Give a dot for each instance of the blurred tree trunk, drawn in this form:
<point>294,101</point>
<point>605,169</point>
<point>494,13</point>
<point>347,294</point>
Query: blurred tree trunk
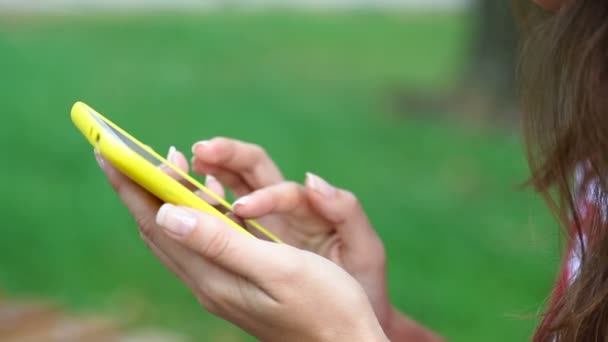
<point>491,72</point>
<point>486,90</point>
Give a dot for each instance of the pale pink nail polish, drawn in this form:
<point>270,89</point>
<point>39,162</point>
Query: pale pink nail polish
<point>241,202</point>
<point>200,143</point>
<point>210,179</point>
<point>319,185</point>
<point>172,151</point>
<point>100,160</point>
<point>177,221</point>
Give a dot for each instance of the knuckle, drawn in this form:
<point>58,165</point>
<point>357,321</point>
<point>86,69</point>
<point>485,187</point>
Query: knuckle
<point>258,152</point>
<point>288,270</point>
<point>146,240</point>
<point>292,186</point>
<point>229,180</point>
<point>294,192</point>
<point>212,308</point>
<point>217,245</point>
<point>116,184</point>
<point>206,301</point>
<point>145,224</point>
<point>288,189</point>
<point>350,200</point>
<point>220,140</point>
<point>258,159</point>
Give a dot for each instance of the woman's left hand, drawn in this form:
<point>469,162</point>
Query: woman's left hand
<point>275,292</point>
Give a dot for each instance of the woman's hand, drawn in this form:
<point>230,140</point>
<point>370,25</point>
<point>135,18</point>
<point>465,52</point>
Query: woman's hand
<point>275,292</point>
<point>316,216</point>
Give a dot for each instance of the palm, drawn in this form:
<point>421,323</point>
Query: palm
<point>303,228</point>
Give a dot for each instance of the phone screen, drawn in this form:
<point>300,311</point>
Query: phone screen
<point>139,150</point>
<point>127,141</point>
<point>134,146</point>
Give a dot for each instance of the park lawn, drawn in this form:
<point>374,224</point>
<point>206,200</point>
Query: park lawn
<point>470,254</point>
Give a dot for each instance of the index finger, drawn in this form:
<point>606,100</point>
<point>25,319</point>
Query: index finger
<point>249,161</point>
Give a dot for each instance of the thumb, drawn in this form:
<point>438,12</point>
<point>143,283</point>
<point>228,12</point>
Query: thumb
<point>343,210</point>
<point>213,239</point>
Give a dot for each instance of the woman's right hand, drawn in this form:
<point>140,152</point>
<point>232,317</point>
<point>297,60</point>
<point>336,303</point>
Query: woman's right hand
<point>316,216</point>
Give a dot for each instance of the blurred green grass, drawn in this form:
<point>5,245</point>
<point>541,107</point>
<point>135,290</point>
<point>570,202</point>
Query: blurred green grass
<point>469,254</point>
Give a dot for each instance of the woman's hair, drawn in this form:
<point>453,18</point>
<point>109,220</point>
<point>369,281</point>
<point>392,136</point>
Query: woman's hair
<point>564,91</point>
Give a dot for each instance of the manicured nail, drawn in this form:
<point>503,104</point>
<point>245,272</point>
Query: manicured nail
<point>100,160</point>
<point>241,202</point>
<point>172,151</point>
<point>210,179</point>
<point>319,185</point>
<point>200,143</point>
<point>175,220</point>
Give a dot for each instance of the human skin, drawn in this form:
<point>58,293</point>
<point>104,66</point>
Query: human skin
<point>272,291</point>
<point>315,217</point>
<point>332,260</point>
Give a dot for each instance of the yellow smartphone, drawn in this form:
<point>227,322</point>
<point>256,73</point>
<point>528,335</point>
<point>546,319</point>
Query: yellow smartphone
<point>143,165</point>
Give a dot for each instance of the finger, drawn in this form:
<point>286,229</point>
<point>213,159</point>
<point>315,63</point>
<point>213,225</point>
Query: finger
<point>231,180</point>
<point>213,185</point>
<point>178,159</point>
<point>183,262</point>
<point>168,262</point>
<point>208,282</point>
<point>202,291</point>
<point>141,204</point>
<point>249,161</point>
<point>143,207</point>
<point>300,223</point>
<point>343,210</point>
<point>215,241</point>
<point>284,197</point>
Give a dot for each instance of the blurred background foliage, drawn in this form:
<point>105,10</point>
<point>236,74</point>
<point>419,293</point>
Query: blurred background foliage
<point>470,254</point>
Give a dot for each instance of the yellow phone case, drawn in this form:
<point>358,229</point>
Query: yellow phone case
<point>144,172</point>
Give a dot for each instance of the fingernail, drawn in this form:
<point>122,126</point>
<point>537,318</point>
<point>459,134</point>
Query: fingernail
<point>241,201</point>
<point>100,160</point>
<point>210,179</point>
<point>200,143</point>
<point>175,220</point>
<point>172,150</point>
<point>319,185</point>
